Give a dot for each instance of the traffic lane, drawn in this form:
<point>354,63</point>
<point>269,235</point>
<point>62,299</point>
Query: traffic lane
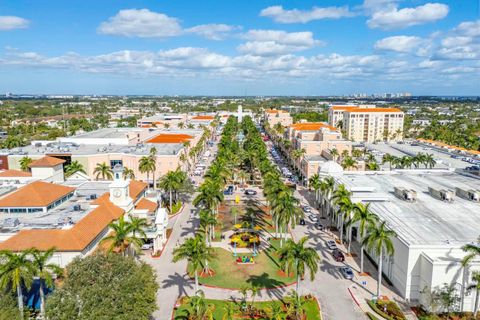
<point>329,285</point>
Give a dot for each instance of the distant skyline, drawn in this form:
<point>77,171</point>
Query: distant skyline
<point>175,47</point>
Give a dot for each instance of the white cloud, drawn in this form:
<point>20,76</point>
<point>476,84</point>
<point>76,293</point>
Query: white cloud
<point>456,41</point>
<point>213,31</point>
<point>12,22</point>
<point>276,42</point>
<point>141,23</point>
<point>279,14</point>
<point>144,23</point>
<point>398,43</point>
<point>469,28</point>
<point>394,18</point>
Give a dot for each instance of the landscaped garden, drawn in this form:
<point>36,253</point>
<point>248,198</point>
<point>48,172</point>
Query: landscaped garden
<point>306,308</point>
<point>265,272</point>
<point>387,309</point>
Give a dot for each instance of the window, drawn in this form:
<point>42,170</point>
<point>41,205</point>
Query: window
<point>113,163</point>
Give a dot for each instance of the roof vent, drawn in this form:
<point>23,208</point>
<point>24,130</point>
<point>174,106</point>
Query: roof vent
<point>472,195</point>
<point>409,195</point>
<point>442,194</point>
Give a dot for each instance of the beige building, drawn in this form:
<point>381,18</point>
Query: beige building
<point>317,139</point>
<point>274,116</point>
<point>373,124</point>
<point>335,112</point>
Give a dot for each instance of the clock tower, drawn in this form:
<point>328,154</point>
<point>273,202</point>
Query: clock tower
<point>119,189</point>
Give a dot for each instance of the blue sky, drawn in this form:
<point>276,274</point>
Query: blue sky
<point>239,47</point>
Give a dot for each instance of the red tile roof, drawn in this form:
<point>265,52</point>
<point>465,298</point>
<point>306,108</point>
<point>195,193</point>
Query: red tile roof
<point>170,138</point>
<point>35,194</point>
<point>14,173</point>
<point>75,239</point>
<point>46,162</point>
<point>203,118</point>
<point>145,204</point>
<point>311,126</point>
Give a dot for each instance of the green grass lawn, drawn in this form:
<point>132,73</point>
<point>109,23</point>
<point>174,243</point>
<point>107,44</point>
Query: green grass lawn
<point>228,274</point>
<point>311,309</point>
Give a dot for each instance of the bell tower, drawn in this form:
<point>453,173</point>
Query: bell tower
<point>119,189</point>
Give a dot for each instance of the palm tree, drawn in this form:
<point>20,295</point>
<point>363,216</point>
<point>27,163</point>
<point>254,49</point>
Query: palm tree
<point>473,253</point>
<point>171,182</point>
<point>128,174</point>
<point>429,161</point>
<point>138,225</point>
<point>16,270</point>
<point>25,163</point>
<point>196,252</point>
<point>210,195</point>
<point>74,167</point>
<point>388,158</point>
<point>45,272</point>
<point>327,186</point>
<point>153,160</point>
<point>147,165</point>
<point>379,239</point>
<point>348,163</point>
<point>296,255</point>
<point>181,125</point>
<point>314,183</point>
<point>475,286</point>
<point>122,236</point>
<point>334,153</point>
<point>365,218</point>
<point>346,207</point>
<point>198,307</point>
<point>339,195</point>
<point>103,170</point>
<point>296,305</point>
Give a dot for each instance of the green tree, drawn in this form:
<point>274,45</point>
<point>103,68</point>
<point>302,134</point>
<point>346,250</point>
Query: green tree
<point>103,170</point>
<point>25,163</point>
<point>475,286</point>
<point>300,257</point>
<point>74,167</point>
<point>122,236</point>
<point>147,165</point>
<point>196,252</point>
<point>171,182</point>
<point>16,270</point>
<point>379,239</point>
<point>105,286</point>
<point>153,160</point>
<point>45,272</point>
<point>128,174</point>
<point>365,218</point>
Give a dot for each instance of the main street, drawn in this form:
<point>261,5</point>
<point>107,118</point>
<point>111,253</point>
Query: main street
<point>329,286</point>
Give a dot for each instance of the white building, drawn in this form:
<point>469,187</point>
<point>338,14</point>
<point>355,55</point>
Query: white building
<point>430,232</point>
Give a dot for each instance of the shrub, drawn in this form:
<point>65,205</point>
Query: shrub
<point>371,316</point>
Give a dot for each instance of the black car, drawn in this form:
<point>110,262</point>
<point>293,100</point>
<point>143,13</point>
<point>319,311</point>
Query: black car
<point>250,192</point>
<point>302,222</point>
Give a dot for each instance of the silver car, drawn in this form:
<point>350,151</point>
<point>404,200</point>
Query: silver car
<point>347,272</point>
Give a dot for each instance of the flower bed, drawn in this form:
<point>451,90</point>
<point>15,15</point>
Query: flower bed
<point>387,309</point>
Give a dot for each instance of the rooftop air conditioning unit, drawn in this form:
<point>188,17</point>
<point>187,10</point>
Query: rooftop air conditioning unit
<point>471,194</point>
<point>409,195</point>
<point>77,207</point>
<point>442,194</point>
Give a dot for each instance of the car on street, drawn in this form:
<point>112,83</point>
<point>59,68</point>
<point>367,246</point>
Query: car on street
<point>331,244</point>
<point>147,246</point>
<point>338,255</point>
<point>307,209</point>
<point>313,218</point>
<point>228,191</point>
<point>250,192</point>
<point>302,222</point>
<point>347,272</point>
<point>319,226</point>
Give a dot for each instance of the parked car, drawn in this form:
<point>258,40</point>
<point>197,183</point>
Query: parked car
<point>319,226</point>
<point>250,192</point>
<point>338,255</point>
<point>302,222</point>
<point>347,272</point>
<point>313,218</point>
<point>228,191</point>
<point>147,246</point>
<point>307,209</point>
<point>331,244</point>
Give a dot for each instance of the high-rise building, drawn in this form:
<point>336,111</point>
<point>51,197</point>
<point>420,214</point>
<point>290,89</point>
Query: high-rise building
<point>373,124</point>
